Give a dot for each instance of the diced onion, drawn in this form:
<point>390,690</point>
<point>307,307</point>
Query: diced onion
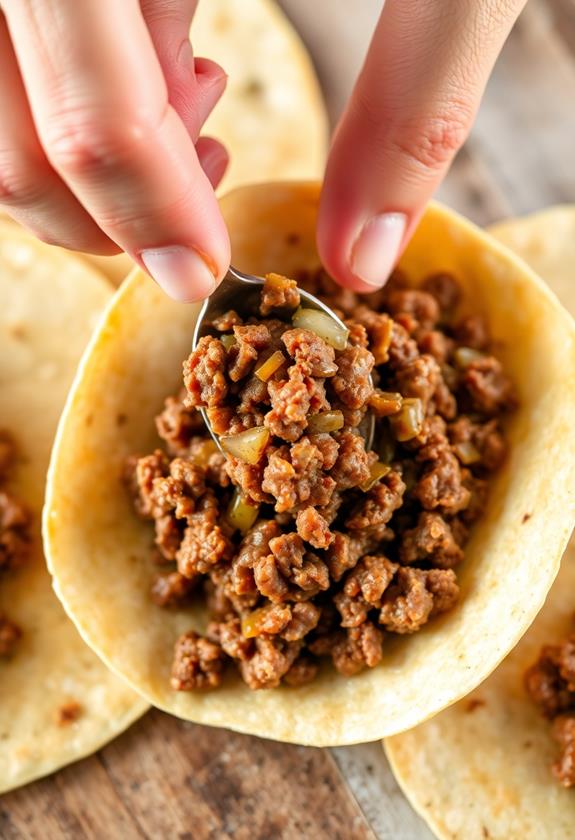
<point>408,422</point>
<point>323,325</point>
<point>228,340</point>
<point>241,512</point>
<point>325,421</point>
<point>248,446</point>
<point>269,367</point>
<point>467,452</point>
<point>376,471</point>
<point>464,356</point>
<point>384,403</point>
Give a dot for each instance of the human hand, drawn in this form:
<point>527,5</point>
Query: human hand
<point>102,104</point>
<point>410,111</point>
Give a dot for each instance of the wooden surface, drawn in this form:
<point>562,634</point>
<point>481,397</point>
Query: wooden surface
<point>168,779</point>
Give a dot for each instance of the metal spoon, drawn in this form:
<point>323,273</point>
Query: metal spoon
<point>241,292</point>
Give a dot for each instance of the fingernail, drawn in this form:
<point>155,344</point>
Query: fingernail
<point>181,272</point>
<point>376,249</point>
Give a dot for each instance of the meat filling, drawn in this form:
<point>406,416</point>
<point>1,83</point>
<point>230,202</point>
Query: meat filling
<point>15,540</point>
<point>550,683</point>
<point>305,544</point>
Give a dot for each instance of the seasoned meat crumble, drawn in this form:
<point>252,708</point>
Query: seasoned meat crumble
<point>15,539</point>
<point>550,683</point>
<point>304,544</point>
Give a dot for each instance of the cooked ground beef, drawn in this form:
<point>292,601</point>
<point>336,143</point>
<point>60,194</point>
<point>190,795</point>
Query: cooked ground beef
<point>304,544</point>
<point>15,539</point>
<point>551,684</point>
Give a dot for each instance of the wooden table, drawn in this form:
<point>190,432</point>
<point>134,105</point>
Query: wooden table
<point>168,779</point>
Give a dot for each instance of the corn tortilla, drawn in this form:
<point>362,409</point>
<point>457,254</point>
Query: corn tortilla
<point>482,768</point>
<point>49,303</point>
<point>99,552</point>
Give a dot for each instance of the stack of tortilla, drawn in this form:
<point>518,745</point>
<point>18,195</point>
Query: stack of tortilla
<point>482,769</point>
<point>50,301</point>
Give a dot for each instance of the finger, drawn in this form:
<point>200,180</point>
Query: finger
<point>102,114</point>
<point>410,112</point>
<point>194,86</point>
<point>30,191</point>
<point>213,159</point>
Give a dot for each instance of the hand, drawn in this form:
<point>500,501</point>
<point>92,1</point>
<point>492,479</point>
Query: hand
<point>102,104</point>
<point>411,110</point>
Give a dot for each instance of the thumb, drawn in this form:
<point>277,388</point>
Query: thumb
<point>410,111</point>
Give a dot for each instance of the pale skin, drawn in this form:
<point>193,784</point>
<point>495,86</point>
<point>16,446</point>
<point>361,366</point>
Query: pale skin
<point>100,146</point>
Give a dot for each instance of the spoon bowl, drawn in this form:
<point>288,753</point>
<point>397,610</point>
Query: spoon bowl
<point>241,292</point>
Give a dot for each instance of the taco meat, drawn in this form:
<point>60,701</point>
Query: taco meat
<point>305,544</point>
<point>15,521</point>
<point>550,683</point>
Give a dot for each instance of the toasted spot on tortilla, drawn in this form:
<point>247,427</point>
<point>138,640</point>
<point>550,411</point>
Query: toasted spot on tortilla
<point>121,419</point>
<point>17,330</point>
<point>526,517</point>
<point>473,704</point>
<point>254,87</point>
<point>69,712</point>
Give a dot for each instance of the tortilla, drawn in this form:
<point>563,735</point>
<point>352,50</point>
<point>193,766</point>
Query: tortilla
<point>271,117</point>
<point>546,241</point>
<point>98,551</point>
<point>483,768</point>
<point>49,303</point>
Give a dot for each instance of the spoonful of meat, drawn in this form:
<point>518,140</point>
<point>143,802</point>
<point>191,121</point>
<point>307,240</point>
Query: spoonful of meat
<point>258,342</point>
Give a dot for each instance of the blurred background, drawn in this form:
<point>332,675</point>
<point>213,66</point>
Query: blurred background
<point>521,153</point>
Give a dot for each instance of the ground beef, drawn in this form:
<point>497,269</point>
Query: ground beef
<point>172,590</point>
<point>312,355</point>
<point>250,341</point>
<point>279,292</point>
<point>198,663</point>
<point>177,424</point>
<point>271,661</point>
<point>564,733</point>
<point>489,389</point>
<point>15,541</point>
<point>352,382</point>
<point>431,540</point>
<point>358,648</point>
<point>303,671</point>
<point>351,467</point>
<point>313,528</point>
<point>379,504</point>
<point>227,321</point>
<point>550,683</point>
<point>302,543</point>
<point>472,332</point>
<point>295,476</point>
<point>414,596</point>
<point>10,634</point>
<point>203,545</point>
<point>204,373</point>
<point>421,305</point>
<point>290,402</point>
<point>445,290</point>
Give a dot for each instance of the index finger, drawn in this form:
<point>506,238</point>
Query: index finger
<point>100,104</point>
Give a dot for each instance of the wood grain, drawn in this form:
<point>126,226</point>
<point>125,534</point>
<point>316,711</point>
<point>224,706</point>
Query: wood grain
<point>168,778</point>
<point>165,778</point>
